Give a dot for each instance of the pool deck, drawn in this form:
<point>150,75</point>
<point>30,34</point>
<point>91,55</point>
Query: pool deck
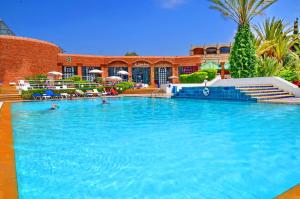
<point>293,193</point>
<point>8,180</point>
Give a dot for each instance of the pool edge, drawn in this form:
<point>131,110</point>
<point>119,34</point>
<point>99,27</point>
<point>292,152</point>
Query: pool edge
<point>292,193</point>
<point>8,178</point>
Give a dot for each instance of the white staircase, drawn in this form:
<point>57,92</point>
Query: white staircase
<point>264,92</point>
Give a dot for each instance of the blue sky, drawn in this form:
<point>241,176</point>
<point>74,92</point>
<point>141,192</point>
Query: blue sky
<point>113,27</point>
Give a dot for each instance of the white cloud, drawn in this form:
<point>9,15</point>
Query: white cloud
<point>170,4</point>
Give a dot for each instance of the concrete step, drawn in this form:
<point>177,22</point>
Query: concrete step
<point>4,98</point>
<point>255,86</point>
<point>257,89</point>
<point>273,97</point>
<point>12,100</point>
<point>10,97</point>
<point>267,94</point>
<point>9,94</point>
<point>262,91</point>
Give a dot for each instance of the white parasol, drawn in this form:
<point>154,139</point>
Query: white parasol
<point>113,79</point>
<point>173,77</point>
<point>55,73</point>
<point>122,72</point>
<point>95,71</point>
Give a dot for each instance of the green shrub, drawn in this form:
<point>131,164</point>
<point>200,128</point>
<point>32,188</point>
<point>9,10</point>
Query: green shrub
<point>183,78</point>
<point>211,73</point>
<point>123,86</point>
<point>288,75</point>
<point>197,77</point>
<point>36,77</point>
<point>75,78</point>
<point>99,80</point>
<point>267,67</point>
<point>27,95</point>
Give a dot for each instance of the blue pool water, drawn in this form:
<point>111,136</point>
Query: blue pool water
<point>156,148</point>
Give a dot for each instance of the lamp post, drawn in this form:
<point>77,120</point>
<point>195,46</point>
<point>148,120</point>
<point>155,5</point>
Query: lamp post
<point>205,81</point>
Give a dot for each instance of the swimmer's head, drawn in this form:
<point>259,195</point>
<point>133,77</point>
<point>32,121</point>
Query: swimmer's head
<point>54,106</point>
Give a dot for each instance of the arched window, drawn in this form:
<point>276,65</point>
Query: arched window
<point>224,50</point>
<point>198,51</point>
<point>211,50</point>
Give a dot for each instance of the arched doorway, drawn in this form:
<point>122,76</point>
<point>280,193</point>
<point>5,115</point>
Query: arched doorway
<point>163,70</point>
<point>141,72</point>
<point>162,75</point>
<point>116,66</point>
<point>86,75</point>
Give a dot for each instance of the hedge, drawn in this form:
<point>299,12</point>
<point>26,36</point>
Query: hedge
<point>183,78</point>
<point>211,73</point>
<point>123,86</point>
<point>197,77</point>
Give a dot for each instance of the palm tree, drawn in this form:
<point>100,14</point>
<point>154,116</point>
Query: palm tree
<point>241,11</point>
<point>274,38</point>
<point>276,49</point>
<point>243,56</point>
<point>267,66</point>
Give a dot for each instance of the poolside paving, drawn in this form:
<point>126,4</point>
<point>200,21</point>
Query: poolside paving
<point>8,180</point>
<point>147,95</point>
<point>293,193</point>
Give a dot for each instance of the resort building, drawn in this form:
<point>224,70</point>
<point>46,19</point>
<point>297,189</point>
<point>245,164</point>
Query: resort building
<point>22,57</point>
<point>212,53</point>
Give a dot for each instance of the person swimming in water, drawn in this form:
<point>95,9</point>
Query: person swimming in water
<point>54,107</point>
<point>104,101</point>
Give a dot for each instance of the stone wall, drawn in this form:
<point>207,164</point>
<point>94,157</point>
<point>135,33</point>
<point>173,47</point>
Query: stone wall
<point>21,57</point>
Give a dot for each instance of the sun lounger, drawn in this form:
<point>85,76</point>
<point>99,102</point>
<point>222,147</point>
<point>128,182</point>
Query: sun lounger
<point>65,95</point>
<point>37,96</point>
<point>104,93</point>
<point>89,93</point>
<point>51,94</point>
<point>79,93</point>
<point>96,92</point>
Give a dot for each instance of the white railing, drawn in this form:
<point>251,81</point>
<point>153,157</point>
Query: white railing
<point>53,84</point>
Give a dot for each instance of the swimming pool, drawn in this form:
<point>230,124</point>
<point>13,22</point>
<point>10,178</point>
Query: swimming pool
<point>156,148</point>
